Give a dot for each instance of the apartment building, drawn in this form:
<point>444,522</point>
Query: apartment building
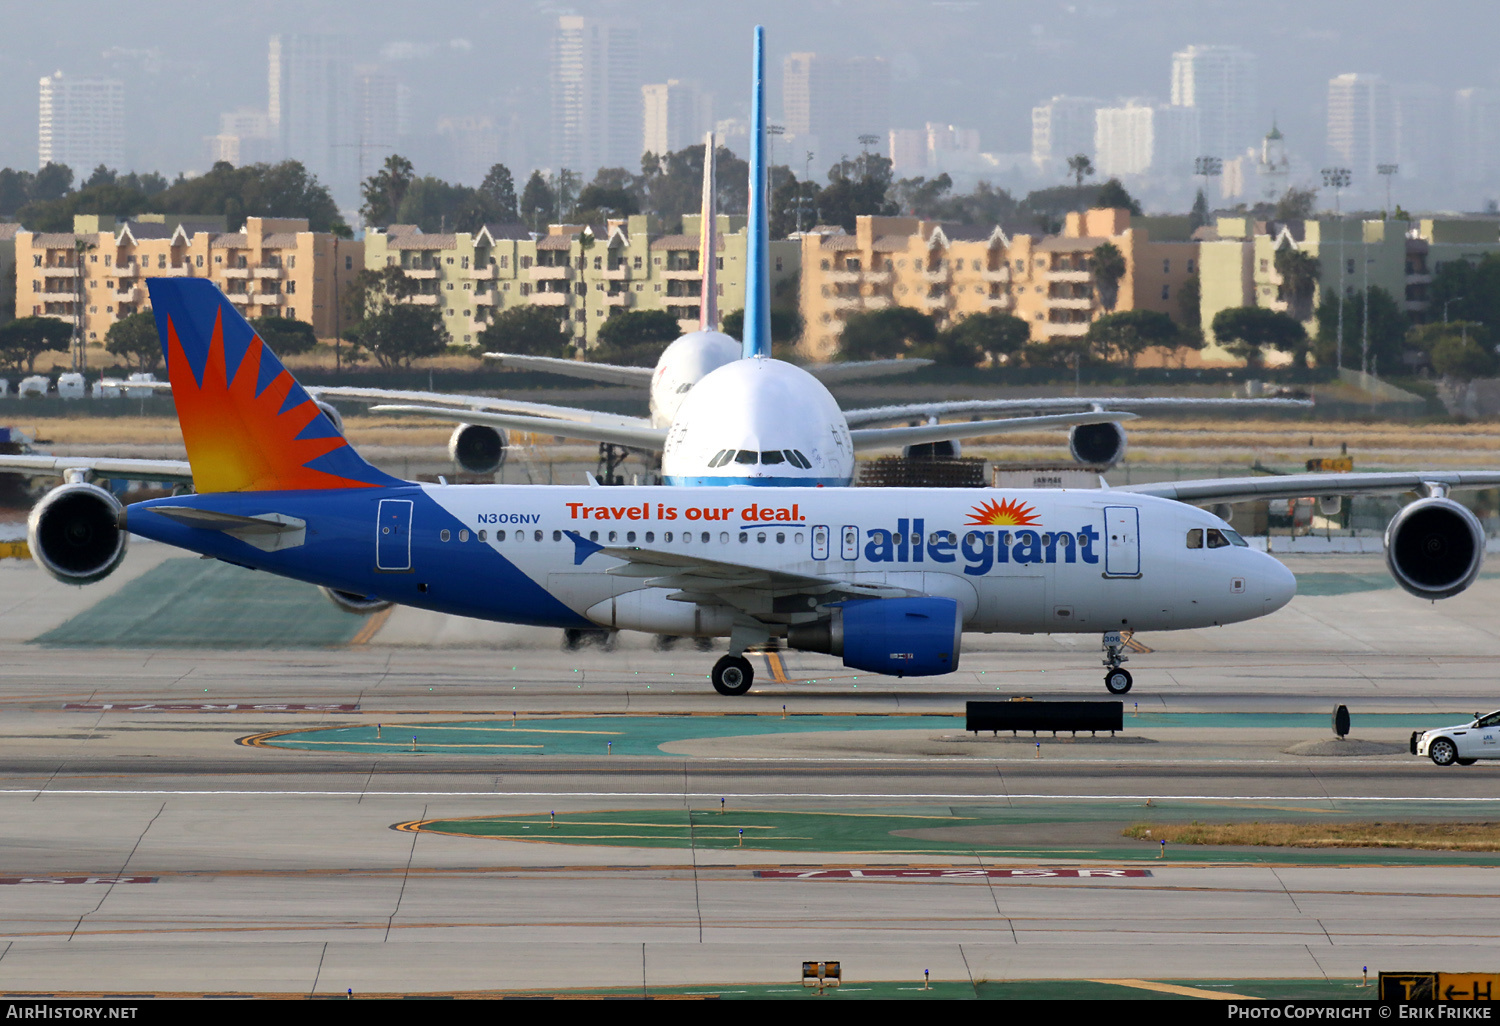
<point>95,274</point>
<point>587,273</point>
<point>1401,257</point>
<point>953,271</point>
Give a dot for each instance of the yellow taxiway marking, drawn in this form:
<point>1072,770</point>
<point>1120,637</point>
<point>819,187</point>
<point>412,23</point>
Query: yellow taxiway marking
<point>372,626</point>
<point>1172,988</point>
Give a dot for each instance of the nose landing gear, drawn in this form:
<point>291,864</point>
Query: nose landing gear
<point>1117,681</point>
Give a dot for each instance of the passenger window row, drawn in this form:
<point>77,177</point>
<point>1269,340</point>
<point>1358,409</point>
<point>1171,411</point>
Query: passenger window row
<point>768,457</point>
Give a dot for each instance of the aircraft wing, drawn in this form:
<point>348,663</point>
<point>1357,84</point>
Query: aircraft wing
<point>1298,486</point>
<point>875,438</point>
<point>107,467</point>
<point>860,370</point>
<point>475,402</point>
<point>748,589</point>
<point>634,434</point>
<point>612,373</point>
<point>878,414</point>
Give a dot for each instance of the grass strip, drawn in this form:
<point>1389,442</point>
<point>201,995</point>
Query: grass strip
<point>1421,836</point>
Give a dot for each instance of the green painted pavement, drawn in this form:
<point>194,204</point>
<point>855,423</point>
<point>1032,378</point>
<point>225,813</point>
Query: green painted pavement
<point>912,830</point>
<point>984,990</point>
<point>1321,582</point>
<point>202,603</point>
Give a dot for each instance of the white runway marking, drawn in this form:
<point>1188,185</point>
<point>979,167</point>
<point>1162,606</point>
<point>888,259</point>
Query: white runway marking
<point>715,795</point>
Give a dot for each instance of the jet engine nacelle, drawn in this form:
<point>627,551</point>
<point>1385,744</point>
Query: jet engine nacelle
<point>332,414</point>
<point>1434,548</point>
<point>350,602</point>
<point>76,533</point>
<point>949,450</point>
<point>1101,444</point>
<point>903,637</point>
<point>477,449</point>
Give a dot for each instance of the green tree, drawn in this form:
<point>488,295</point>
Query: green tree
<point>500,188</point>
<point>259,190</point>
<point>1190,303</point>
<point>635,338</point>
<point>26,338</point>
<point>856,187</point>
<point>994,333</point>
<point>54,181</point>
<point>386,189</point>
<point>1467,290</point>
<point>1299,279</point>
<point>538,202</point>
<point>1388,326</point>
<point>1462,358</point>
<point>1108,265</point>
<point>133,338</point>
<point>15,190</point>
<point>1080,167</point>
<point>1198,216</point>
<point>1247,331</point>
<point>1129,333</point>
<point>886,334</point>
<point>527,331</point>
<point>1113,195</point>
<point>285,336</point>
<point>387,327</point>
<point>786,324</point>
<point>1296,204</point>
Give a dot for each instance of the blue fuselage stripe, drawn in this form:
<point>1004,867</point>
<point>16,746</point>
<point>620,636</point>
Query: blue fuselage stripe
<point>758,482</point>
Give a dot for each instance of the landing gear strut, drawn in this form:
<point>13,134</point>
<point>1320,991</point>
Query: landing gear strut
<point>1116,680</point>
<point>733,675</point>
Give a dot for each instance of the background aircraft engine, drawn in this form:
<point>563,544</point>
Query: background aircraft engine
<point>351,602</point>
<point>904,637</point>
<point>1434,548</point>
<point>75,533</point>
<point>1102,444</point>
<point>949,450</point>
<point>477,449</point>
<point>332,414</point>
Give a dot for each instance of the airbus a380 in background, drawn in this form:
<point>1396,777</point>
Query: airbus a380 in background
<point>887,579</point>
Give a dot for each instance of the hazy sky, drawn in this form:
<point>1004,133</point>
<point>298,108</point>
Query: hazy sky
<point>976,63</point>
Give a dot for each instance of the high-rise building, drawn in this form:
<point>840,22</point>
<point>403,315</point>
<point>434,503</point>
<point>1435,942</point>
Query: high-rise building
<point>1123,139</point>
<point>81,123</point>
<point>1360,126</point>
<point>1061,128</point>
<point>832,101</point>
<point>677,115</point>
<point>382,115</point>
<point>1419,123</point>
<point>1219,82</point>
<point>596,82</point>
<point>313,110</point>
<point>1476,135</point>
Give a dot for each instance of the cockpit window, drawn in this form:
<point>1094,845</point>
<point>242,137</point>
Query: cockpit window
<point>772,456</point>
<point>746,456</point>
<point>721,457</point>
<point>1195,538</point>
<point>1235,539</point>
<point>796,459</point>
<point>1216,539</point>
<point>684,387</point>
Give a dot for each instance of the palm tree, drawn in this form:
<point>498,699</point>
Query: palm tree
<point>1299,278</point>
<point>1108,265</point>
<point>1080,167</point>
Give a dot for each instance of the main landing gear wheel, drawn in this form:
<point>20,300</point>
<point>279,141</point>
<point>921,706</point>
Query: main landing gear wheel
<point>733,675</point>
<point>1443,752</point>
<point>1117,681</point>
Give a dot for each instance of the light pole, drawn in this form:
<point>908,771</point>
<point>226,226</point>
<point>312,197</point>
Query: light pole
<point>1206,168</point>
<point>802,189</point>
<point>1337,179</point>
<point>772,131</point>
<point>1454,299</point>
<point>1386,171</point>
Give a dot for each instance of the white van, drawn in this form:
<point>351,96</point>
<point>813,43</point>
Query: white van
<point>36,384</point>
<point>139,393</point>
<point>71,386</point>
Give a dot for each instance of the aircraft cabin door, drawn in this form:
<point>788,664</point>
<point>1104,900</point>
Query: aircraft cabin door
<point>1122,541</point>
<point>393,536</point>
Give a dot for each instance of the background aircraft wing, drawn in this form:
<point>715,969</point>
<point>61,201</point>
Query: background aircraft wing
<point>176,471</point>
<point>612,373</point>
<point>875,438</point>
<point>879,414</point>
<point>1299,486</point>
<point>860,370</point>
<point>636,435</point>
<point>475,402</point>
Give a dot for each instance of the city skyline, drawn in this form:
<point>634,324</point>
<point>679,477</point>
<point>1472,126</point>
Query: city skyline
<point>939,72</point>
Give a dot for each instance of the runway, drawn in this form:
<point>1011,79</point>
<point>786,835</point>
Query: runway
<point>152,846</point>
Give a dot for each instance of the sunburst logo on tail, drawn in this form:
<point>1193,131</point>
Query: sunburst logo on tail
<point>1010,513</point>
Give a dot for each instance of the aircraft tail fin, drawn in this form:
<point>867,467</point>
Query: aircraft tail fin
<point>758,245</point>
<point>247,424</point>
<point>708,249</point>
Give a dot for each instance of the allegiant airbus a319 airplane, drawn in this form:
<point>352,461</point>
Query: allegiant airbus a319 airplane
<point>886,579</point>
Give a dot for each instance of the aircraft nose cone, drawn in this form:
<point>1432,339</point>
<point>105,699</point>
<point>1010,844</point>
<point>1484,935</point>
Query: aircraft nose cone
<point>1280,584</point>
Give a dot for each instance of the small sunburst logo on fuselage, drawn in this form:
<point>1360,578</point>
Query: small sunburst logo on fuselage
<point>1010,513</point>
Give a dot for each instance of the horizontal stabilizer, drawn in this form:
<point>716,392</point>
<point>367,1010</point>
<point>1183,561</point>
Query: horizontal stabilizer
<point>861,370</point>
<point>268,532</point>
<point>611,373</point>
<point>876,438</point>
<point>642,437</point>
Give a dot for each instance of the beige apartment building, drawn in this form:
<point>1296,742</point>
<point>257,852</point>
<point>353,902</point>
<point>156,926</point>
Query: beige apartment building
<point>96,274</point>
<point>953,271</point>
<point>588,274</point>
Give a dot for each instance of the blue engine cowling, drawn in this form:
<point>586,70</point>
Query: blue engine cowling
<point>903,637</point>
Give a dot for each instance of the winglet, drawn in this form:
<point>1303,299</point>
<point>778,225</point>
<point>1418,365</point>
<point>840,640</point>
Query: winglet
<point>247,425</point>
<point>758,245</point>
